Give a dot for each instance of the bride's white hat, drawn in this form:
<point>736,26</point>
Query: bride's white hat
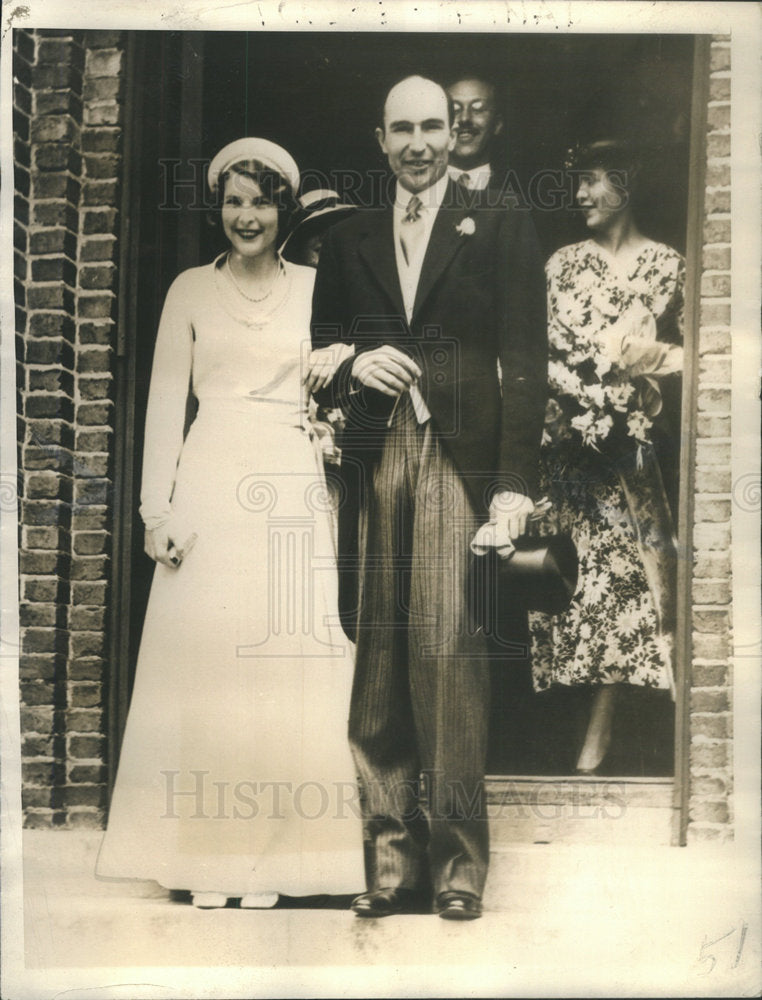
<point>269,154</point>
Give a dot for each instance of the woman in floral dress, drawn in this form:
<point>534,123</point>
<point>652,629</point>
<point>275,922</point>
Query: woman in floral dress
<point>614,310</point>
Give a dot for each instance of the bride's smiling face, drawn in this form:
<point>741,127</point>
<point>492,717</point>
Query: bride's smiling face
<point>249,219</point>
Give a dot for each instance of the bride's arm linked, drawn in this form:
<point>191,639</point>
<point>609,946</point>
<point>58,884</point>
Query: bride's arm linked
<point>165,420</point>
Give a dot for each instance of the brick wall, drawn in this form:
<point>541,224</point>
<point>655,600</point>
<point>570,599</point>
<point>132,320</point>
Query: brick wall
<point>710,808</point>
<point>68,131</point>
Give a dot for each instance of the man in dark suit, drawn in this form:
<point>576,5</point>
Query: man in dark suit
<point>478,121</point>
<point>440,300</point>
<point>478,163</point>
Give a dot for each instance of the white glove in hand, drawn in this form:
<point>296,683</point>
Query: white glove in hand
<point>508,514</point>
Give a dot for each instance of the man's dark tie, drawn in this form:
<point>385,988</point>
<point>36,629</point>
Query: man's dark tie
<point>464,180</point>
<point>412,228</point>
<point>414,207</point>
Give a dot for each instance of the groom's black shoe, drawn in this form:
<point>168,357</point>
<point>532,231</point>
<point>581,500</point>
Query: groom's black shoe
<point>386,902</point>
<point>453,905</point>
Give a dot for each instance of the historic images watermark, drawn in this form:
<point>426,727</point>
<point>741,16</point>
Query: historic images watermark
<point>184,187</point>
<point>198,794</point>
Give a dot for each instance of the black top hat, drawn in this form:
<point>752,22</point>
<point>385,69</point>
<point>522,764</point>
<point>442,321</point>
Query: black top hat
<point>539,575</point>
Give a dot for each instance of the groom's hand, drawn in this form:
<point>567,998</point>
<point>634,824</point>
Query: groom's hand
<point>386,369</point>
<point>510,511</point>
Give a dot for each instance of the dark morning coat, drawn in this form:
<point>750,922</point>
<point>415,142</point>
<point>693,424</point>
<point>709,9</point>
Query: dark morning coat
<point>479,312</point>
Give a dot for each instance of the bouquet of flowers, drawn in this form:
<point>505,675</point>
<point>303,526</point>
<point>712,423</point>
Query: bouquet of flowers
<point>608,379</point>
<point>324,427</point>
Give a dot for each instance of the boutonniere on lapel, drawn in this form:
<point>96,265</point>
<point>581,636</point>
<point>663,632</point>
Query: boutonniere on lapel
<point>466,227</point>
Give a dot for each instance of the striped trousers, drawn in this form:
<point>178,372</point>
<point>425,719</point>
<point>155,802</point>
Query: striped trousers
<point>420,700</point>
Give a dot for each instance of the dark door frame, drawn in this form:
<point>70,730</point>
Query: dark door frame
<point>683,636</point>
<point>124,522</point>
<point>178,250</point>
<point>124,408</point>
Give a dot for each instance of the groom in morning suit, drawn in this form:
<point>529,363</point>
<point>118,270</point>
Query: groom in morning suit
<point>441,299</point>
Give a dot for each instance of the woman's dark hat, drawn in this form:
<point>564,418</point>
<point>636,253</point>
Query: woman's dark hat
<point>607,154</point>
<point>324,205</point>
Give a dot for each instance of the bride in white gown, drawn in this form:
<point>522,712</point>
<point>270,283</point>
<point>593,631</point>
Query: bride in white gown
<point>235,778</point>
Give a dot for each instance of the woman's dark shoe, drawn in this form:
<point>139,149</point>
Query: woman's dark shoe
<point>385,902</point>
<point>454,905</point>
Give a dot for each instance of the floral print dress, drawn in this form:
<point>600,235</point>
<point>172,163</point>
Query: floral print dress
<point>611,631</point>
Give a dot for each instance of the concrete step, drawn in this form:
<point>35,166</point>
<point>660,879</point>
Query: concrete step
<point>560,920</point>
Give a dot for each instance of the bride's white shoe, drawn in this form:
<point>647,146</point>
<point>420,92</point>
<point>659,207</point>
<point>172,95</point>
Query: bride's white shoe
<point>209,900</point>
<point>259,900</point>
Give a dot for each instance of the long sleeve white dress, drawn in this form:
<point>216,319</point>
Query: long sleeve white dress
<point>235,774</point>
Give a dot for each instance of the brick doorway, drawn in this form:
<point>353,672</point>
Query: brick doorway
<point>190,93</point>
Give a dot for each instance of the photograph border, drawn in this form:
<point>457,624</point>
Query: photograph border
<point>741,22</point>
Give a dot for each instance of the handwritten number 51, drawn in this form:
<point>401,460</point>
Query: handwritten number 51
<point>707,955</point>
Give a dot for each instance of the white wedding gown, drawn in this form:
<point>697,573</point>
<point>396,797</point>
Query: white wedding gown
<point>235,774</point>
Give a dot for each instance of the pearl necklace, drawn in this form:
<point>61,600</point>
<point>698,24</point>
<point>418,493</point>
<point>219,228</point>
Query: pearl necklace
<point>252,298</point>
<point>239,311</point>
